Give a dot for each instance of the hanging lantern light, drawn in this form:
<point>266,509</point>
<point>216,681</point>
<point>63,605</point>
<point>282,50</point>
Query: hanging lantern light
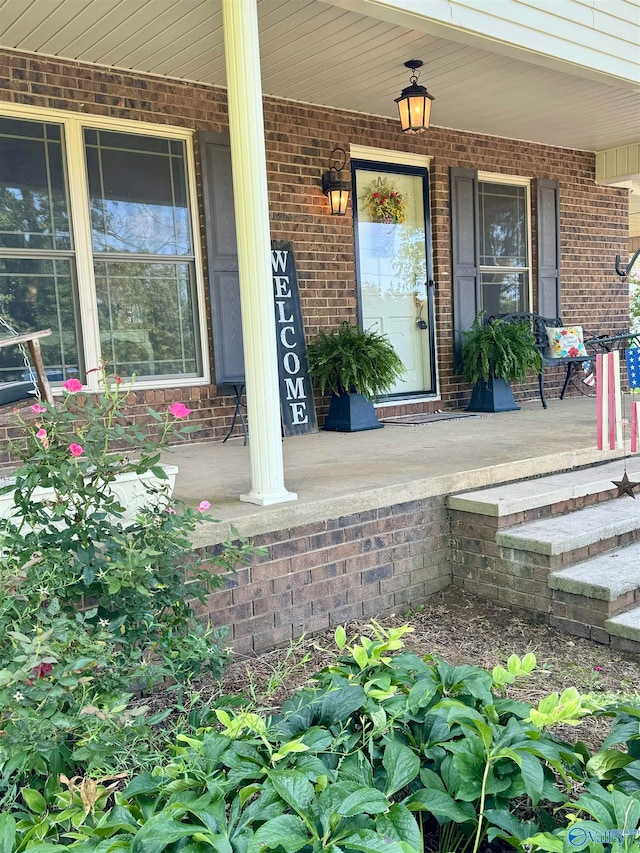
<point>414,104</point>
<point>336,190</point>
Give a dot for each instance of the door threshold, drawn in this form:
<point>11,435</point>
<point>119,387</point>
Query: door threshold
<point>405,401</point>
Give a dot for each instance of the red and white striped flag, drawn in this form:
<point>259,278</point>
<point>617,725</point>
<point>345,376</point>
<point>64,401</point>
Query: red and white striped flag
<point>635,426</point>
<point>609,397</point>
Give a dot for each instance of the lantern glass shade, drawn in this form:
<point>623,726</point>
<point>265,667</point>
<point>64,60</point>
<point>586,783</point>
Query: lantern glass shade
<point>338,199</point>
<point>337,191</point>
<point>414,106</point>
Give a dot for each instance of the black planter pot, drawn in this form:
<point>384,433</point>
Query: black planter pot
<point>492,396</point>
<point>351,413</point>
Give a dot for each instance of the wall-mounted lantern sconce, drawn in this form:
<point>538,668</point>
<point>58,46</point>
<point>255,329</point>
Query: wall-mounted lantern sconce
<point>414,104</point>
<point>336,190</point>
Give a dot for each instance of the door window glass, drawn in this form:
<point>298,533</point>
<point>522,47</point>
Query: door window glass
<point>392,263</point>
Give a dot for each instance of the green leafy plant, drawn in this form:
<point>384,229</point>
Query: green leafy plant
<point>350,359</point>
<point>516,669</point>
<point>499,350</point>
<point>95,606</point>
<point>383,751</point>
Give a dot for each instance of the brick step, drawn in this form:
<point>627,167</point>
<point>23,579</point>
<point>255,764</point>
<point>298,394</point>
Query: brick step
<point>558,546</point>
<point>625,630</point>
<point>613,578</point>
<point>590,593</point>
<point>568,539</point>
<point>546,496</point>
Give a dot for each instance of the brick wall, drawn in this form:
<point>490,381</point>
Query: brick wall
<point>299,138</point>
<point>327,573</point>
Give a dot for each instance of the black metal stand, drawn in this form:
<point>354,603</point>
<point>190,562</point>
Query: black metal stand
<point>238,413</point>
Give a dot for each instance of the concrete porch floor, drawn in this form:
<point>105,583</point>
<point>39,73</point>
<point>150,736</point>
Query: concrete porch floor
<point>338,474</point>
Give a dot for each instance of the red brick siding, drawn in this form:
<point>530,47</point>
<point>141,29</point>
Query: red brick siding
<point>299,138</point>
<point>330,572</point>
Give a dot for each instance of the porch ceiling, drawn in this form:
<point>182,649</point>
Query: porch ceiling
<point>337,54</point>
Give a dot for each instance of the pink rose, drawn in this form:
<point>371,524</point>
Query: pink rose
<point>203,506</point>
<point>76,449</point>
<point>42,433</point>
<point>72,385</point>
<point>178,410</point>
<point>38,409</point>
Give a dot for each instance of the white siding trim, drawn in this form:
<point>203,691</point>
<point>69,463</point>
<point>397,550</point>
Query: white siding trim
<point>384,155</point>
<point>618,164</point>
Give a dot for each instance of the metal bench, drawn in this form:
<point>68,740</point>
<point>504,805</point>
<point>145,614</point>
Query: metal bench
<point>539,327</point>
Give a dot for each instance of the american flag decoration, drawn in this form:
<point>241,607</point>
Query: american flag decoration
<point>632,356</point>
<point>589,377</point>
<point>609,400</point>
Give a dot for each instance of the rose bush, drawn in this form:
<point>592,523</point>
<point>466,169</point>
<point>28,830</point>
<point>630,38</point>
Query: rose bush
<point>93,608</point>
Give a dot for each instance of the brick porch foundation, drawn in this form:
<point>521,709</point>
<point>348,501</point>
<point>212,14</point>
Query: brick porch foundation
<point>330,572</point>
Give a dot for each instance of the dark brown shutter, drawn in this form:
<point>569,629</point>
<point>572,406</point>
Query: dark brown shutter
<point>222,255</point>
<point>464,253</point>
<point>548,231</point>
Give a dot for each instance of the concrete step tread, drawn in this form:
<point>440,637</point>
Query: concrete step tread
<point>625,625</point>
<point>605,577</point>
<point>507,499</point>
<point>563,533</point>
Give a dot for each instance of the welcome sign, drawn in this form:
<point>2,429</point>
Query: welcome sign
<point>296,395</point>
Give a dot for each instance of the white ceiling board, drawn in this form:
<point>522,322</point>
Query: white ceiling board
<point>333,55</point>
<point>572,39</point>
<point>170,35</point>
<point>17,18</point>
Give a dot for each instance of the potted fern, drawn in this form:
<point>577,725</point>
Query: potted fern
<point>495,354</point>
<point>355,365</point>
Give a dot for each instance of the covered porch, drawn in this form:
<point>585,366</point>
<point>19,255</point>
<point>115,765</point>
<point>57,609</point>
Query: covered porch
<point>552,118</point>
<point>338,473</point>
<point>373,532</point>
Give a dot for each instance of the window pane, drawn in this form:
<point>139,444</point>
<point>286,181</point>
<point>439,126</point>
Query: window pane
<point>147,316</point>
<point>503,225</point>
<point>138,195</point>
<point>503,293</point>
<point>39,294</point>
<point>33,204</point>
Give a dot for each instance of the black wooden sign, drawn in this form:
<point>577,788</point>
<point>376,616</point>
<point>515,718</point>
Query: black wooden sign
<point>296,395</point>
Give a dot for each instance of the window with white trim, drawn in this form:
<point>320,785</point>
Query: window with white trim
<point>103,252</point>
<point>504,244</point>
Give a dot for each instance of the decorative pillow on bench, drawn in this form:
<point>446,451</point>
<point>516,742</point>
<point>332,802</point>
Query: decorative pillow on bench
<point>566,342</point>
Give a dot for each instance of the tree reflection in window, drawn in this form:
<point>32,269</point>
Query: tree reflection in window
<point>37,278</point>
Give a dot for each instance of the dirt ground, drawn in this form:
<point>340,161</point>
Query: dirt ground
<point>460,628</point>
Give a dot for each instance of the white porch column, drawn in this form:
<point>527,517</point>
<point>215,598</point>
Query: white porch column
<point>246,126</point>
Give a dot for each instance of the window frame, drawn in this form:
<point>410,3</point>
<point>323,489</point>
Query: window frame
<point>74,159</point>
<point>518,181</point>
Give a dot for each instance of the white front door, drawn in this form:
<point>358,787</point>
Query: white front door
<point>393,266</point>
